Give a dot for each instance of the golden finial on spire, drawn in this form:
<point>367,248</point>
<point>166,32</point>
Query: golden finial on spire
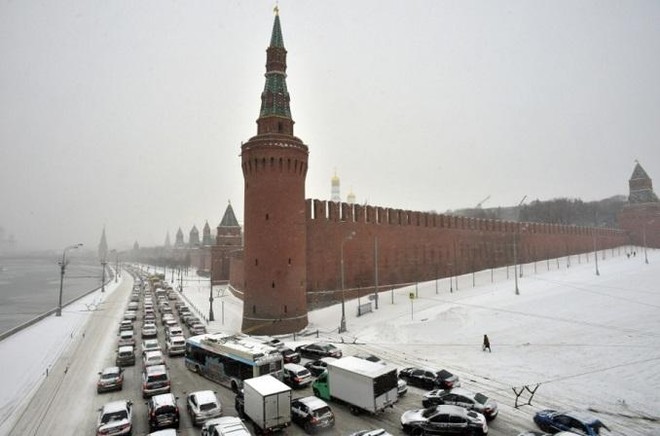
<point>276,9</point>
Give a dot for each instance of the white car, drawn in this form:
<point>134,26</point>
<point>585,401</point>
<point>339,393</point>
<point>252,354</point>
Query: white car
<point>176,346</point>
<point>150,345</point>
<point>115,418</point>
<point>151,358</point>
<point>126,337</point>
<point>149,330</point>
<point>225,426</point>
<point>166,432</point>
<point>202,406</point>
<point>377,432</point>
<point>174,330</point>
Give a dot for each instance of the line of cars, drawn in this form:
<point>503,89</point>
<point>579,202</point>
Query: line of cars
<point>116,417</point>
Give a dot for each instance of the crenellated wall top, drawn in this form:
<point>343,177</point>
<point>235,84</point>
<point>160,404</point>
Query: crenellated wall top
<point>329,211</point>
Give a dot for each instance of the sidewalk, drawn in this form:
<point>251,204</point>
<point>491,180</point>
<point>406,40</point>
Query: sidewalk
<point>30,356</point>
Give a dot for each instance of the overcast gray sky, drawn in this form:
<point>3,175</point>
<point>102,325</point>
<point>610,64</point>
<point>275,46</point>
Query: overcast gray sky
<point>130,114</point>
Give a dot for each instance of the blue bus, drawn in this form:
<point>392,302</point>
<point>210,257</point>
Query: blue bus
<point>228,359</point>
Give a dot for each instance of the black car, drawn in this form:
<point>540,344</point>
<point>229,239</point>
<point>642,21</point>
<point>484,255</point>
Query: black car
<point>318,350</point>
<point>312,414</point>
<point>429,379</point>
<point>443,420</point>
<point>316,367</point>
<point>289,355</point>
<point>163,412</point>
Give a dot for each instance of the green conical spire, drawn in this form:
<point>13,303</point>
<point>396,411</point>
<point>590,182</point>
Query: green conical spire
<point>276,39</point>
<point>275,97</point>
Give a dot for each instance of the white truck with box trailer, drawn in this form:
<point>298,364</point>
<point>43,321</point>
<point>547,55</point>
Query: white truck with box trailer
<point>267,403</point>
<point>363,385</point>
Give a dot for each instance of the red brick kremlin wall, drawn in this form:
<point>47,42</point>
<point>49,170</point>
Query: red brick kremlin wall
<point>421,246</point>
<point>642,222</point>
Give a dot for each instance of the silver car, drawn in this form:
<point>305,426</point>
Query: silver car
<point>442,420</point>
<point>462,398</point>
<point>202,406</point>
<point>115,418</point>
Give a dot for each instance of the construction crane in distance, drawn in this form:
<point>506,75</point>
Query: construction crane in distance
<point>478,206</point>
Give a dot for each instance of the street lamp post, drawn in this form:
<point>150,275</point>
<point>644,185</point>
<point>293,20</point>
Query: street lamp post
<point>515,258</point>
<point>116,265</point>
<point>515,248</point>
<point>596,253</point>
<point>646,256</point>
<point>211,317</point>
<point>376,271</point>
<point>342,325</point>
<point>62,269</point>
<point>103,264</point>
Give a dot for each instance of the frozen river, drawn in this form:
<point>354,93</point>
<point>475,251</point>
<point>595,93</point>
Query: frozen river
<point>29,285</point>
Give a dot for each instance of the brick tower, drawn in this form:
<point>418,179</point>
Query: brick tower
<point>274,164</point>
<point>641,216</point>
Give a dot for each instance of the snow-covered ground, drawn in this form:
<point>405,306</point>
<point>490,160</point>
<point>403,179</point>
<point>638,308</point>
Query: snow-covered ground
<point>27,356</point>
<point>590,341</point>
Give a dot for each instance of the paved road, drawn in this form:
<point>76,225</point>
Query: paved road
<point>67,402</point>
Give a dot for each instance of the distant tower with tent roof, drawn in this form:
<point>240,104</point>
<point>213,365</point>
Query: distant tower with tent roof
<point>641,216</point>
<point>178,241</point>
<point>228,243</point>
<point>193,240</point>
<point>207,239</point>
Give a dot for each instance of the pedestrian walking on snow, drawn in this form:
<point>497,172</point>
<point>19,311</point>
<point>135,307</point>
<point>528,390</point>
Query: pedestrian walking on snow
<point>486,344</point>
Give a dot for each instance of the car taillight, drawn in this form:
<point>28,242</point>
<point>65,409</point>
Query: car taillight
<point>314,420</point>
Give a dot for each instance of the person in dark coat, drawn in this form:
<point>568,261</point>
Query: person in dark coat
<point>486,344</point>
